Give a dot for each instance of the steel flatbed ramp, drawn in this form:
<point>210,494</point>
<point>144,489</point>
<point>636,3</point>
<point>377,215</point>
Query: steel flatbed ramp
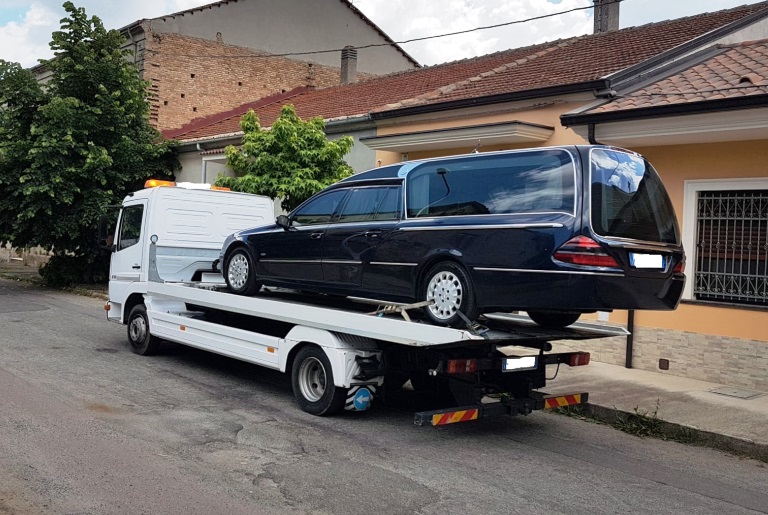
<point>504,329</point>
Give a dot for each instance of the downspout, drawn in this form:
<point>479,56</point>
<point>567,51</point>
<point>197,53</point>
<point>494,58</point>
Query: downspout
<point>204,165</point>
<point>631,312</point>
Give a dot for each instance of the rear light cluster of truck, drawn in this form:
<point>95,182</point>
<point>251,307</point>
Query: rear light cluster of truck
<point>584,251</point>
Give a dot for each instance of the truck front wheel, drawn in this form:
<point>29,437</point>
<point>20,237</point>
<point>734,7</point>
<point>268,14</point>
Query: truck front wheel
<point>142,342</point>
<point>313,383</point>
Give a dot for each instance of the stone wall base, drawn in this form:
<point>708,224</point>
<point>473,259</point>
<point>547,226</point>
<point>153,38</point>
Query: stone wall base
<point>733,362</point>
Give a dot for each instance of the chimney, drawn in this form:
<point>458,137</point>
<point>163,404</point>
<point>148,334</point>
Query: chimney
<point>606,15</point>
<point>348,65</point>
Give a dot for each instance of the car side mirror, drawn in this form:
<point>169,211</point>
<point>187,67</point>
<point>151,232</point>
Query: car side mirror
<point>283,221</point>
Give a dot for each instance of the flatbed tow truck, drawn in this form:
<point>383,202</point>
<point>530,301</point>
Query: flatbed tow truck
<point>342,355</point>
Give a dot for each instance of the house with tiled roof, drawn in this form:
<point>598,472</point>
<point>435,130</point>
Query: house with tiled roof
<point>565,92</point>
<point>703,123</point>
<point>208,59</point>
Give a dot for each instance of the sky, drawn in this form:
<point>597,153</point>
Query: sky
<point>26,26</point>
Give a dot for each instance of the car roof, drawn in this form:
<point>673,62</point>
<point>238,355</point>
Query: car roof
<point>394,174</point>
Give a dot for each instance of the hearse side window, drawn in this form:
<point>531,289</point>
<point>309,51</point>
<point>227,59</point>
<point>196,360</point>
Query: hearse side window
<point>628,198</point>
<point>130,226</point>
<point>319,210</point>
<point>525,182</point>
<point>370,203</point>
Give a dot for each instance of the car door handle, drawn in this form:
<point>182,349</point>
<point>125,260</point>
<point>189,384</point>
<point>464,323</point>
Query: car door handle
<point>372,234</point>
<point>316,235</point>
<point>136,267</point>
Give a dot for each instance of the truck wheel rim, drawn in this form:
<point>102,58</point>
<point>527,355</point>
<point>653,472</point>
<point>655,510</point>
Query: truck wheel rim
<point>312,379</point>
<point>138,329</point>
<point>238,271</point>
<point>447,293</point>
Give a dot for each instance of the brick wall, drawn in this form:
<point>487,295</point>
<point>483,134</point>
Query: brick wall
<point>192,78</point>
<point>718,359</point>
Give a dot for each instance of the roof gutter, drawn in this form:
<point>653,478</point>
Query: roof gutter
<point>706,106</point>
<point>595,85</point>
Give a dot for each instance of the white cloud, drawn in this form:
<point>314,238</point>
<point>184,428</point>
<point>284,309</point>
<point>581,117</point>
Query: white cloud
<point>27,41</point>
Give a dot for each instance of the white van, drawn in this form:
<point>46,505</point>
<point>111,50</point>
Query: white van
<point>189,223</point>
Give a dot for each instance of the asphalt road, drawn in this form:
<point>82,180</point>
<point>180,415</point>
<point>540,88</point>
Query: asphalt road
<point>88,427</point>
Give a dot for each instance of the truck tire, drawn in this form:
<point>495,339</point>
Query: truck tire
<point>313,386</point>
<point>553,319</point>
<point>449,286</point>
<point>239,273</point>
<point>142,342</point>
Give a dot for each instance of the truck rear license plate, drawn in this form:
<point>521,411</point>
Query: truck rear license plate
<point>519,363</point>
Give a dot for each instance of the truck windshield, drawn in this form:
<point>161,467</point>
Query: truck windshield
<point>628,198</point>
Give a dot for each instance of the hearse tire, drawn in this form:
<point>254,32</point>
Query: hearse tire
<point>313,387</point>
<point>142,342</point>
<point>553,320</point>
<point>448,284</point>
<point>239,273</point>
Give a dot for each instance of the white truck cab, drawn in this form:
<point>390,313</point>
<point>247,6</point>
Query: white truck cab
<point>189,223</point>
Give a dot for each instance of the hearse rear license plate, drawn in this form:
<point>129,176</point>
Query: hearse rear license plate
<point>646,260</point>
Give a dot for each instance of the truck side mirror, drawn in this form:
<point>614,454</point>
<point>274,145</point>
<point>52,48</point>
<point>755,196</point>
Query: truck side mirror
<point>284,222</point>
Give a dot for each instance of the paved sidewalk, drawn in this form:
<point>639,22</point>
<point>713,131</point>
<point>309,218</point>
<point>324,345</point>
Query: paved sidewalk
<point>684,406</point>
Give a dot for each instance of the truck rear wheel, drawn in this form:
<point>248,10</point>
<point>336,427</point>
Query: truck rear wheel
<point>142,342</point>
<point>313,383</point>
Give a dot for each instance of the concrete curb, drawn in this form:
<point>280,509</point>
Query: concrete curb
<point>682,433</point>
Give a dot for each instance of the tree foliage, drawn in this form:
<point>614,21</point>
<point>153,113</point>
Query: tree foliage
<point>291,161</point>
<point>73,146</point>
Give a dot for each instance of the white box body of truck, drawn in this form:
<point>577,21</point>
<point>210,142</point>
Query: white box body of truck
<point>189,225</point>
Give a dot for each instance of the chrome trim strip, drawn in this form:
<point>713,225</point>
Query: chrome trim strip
<point>480,227</point>
<point>568,272</point>
<point>342,262</point>
<point>384,263</point>
<point>290,260</point>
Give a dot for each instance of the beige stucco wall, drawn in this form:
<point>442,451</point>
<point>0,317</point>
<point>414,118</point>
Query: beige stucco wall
<point>543,112</point>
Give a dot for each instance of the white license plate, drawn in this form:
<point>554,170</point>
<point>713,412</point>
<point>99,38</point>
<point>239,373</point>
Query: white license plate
<point>646,260</point>
<point>521,363</point>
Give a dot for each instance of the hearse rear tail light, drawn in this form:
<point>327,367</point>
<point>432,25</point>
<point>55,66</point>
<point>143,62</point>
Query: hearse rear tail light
<point>680,267</point>
<point>584,251</point>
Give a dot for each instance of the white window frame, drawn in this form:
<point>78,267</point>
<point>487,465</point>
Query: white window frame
<point>691,190</point>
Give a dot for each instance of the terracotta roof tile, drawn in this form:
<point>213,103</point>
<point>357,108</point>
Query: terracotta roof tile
<point>557,63</point>
<point>737,71</point>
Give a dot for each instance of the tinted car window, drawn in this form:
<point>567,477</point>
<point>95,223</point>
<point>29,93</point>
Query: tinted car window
<point>364,204</point>
<point>524,182</point>
<point>389,207</point>
<point>130,226</point>
<point>319,210</point>
<point>628,198</point>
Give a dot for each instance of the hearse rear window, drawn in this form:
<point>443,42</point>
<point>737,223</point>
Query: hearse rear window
<point>628,198</point>
<point>524,182</point>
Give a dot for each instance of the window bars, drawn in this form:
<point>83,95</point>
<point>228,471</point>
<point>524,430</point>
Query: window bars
<point>732,247</point>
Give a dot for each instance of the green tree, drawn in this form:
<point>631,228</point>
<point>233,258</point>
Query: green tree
<point>79,144</point>
<point>291,161</point>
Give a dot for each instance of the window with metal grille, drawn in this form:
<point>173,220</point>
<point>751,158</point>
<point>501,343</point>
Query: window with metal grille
<point>732,247</point>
